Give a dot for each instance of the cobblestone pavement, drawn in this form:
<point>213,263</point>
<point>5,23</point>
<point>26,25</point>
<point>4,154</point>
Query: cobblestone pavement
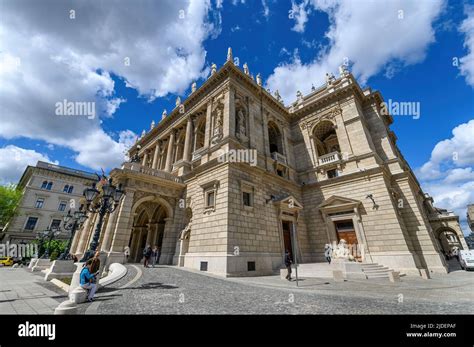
<point>169,290</point>
<point>23,292</point>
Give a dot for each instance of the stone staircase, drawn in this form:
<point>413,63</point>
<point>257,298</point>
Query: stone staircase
<point>374,270</point>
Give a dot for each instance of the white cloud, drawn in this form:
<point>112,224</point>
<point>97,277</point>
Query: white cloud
<point>467,62</point>
<point>266,9</point>
<point>299,12</point>
<point>370,34</point>
<point>449,176</point>
<point>155,46</point>
<point>14,160</point>
<point>457,151</point>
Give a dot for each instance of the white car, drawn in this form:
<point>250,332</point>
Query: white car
<point>466,259</point>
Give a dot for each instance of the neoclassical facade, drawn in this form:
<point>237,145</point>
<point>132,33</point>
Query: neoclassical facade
<point>49,192</point>
<point>231,178</point>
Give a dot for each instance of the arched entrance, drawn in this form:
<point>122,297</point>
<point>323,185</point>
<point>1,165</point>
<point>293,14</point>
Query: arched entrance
<point>448,240</point>
<point>148,227</point>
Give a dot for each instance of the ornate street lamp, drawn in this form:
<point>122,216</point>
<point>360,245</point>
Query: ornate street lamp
<point>41,236</point>
<point>71,222</point>
<point>102,204</point>
<point>49,234</point>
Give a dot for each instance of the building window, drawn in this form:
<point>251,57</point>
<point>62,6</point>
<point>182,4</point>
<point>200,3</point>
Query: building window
<point>332,173</point>
<point>47,185</point>
<point>247,199</point>
<point>210,199</point>
<point>210,194</point>
<point>247,189</point>
<point>66,188</point>
<point>55,224</point>
<point>70,189</point>
<point>62,206</point>
<point>31,223</point>
<point>39,203</point>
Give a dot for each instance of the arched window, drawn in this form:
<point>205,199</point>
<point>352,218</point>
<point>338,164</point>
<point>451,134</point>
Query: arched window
<point>275,140</point>
<point>70,189</point>
<point>44,185</point>
<point>49,186</point>
<point>325,138</point>
<point>66,188</point>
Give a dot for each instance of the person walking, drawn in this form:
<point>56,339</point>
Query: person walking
<point>147,254</point>
<point>328,252</point>
<point>87,280</point>
<point>288,263</point>
<point>126,253</point>
<point>154,255</point>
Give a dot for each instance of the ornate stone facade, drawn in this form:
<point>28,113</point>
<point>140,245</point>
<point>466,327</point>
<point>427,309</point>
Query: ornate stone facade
<point>327,168</point>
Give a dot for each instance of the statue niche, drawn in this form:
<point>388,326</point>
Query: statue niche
<point>218,123</point>
<point>241,124</point>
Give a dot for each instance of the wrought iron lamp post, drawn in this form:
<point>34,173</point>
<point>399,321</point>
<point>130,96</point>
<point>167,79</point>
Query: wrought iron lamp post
<point>41,236</point>
<point>49,234</point>
<point>71,222</point>
<point>102,203</point>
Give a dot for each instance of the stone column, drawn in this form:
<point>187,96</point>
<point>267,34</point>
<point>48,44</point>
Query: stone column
<point>229,113</point>
<point>208,130</point>
<point>169,155</point>
<point>79,234</point>
<point>145,158</point>
<point>121,234</point>
<point>156,155</point>
<point>109,230</point>
<point>188,140</point>
<point>84,235</point>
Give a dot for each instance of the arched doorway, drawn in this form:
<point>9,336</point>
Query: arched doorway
<point>448,240</point>
<point>148,228</point>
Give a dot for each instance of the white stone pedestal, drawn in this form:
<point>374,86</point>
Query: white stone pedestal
<point>41,264</point>
<point>60,269</point>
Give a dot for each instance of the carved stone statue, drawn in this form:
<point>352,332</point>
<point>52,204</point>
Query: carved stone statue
<point>229,54</point>
<point>164,114</point>
<point>259,79</point>
<point>152,124</point>
<point>330,78</point>
<point>343,70</point>
<point>219,122</point>
<point>313,89</point>
<point>178,101</point>
<point>277,95</point>
<point>143,133</point>
<point>241,123</point>
<point>299,95</point>
<point>193,87</point>
<point>213,69</point>
<point>342,251</point>
<point>246,69</point>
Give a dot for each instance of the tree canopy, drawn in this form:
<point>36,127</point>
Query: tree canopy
<point>10,197</point>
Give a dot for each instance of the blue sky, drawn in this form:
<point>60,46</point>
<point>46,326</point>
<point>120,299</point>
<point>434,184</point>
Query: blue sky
<point>405,49</point>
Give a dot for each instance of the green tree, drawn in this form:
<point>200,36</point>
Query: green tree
<point>10,197</point>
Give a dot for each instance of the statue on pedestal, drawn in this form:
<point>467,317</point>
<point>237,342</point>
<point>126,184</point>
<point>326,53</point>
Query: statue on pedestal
<point>342,251</point>
<point>241,126</point>
<point>213,69</point>
<point>330,78</point>
<point>193,87</point>
<point>246,69</point>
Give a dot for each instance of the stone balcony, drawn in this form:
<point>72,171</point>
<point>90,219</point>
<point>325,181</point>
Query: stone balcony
<point>279,157</point>
<point>329,158</point>
<point>137,167</point>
